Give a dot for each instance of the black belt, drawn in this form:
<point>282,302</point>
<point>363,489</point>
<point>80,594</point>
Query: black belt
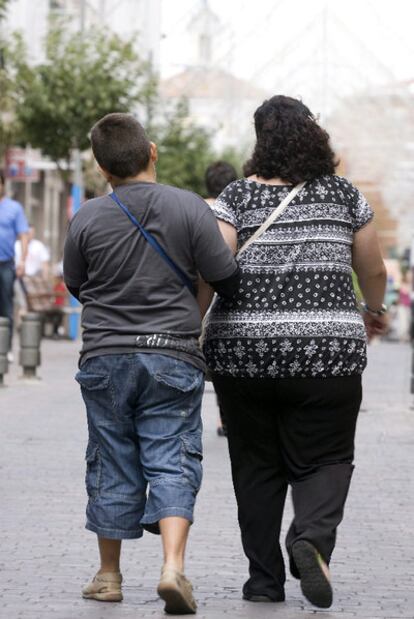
<point>184,344</point>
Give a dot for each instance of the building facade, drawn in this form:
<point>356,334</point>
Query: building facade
<point>136,19</point>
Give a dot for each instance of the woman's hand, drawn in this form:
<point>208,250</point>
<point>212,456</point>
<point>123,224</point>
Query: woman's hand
<point>375,325</point>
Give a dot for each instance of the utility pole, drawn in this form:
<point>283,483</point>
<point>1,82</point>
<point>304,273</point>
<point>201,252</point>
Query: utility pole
<point>102,11</point>
<point>77,193</point>
<point>78,189</point>
<point>28,183</point>
<point>82,12</point>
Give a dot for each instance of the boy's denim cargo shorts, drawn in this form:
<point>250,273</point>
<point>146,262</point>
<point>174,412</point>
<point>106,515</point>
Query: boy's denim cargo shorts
<point>143,459</point>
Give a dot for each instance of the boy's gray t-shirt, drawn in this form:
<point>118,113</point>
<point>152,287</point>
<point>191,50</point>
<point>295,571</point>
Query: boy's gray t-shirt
<point>126,288</point>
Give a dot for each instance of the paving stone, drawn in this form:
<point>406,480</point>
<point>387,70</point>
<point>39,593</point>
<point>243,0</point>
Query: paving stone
<point>47,555</point>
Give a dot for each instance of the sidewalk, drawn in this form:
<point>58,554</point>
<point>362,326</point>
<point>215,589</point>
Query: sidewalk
<point>46,554</point>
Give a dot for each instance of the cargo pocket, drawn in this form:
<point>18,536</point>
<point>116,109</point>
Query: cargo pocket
<point>93,470</point>
<point>191,457</point>
<point>97,391</point>
<point>92,382</point>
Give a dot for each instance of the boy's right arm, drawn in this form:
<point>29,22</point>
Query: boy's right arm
<point>214,259</point>
<point>75,268</point>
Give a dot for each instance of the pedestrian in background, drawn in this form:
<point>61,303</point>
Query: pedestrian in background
<point>38,256</point>
<point>287,352</point>
<point>218,175</point>
<point>132,258</point>
<point>13,226</point>
<point>37,265</point>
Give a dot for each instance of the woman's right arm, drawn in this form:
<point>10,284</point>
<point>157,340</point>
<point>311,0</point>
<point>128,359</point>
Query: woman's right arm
<point>205,291</point>
<point>369,266</point>
<point>229,234</point>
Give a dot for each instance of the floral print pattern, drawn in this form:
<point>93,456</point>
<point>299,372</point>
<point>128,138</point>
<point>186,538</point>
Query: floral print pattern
<point>295,314</point>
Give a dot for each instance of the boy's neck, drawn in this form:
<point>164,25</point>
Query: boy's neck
<point>146,176</point>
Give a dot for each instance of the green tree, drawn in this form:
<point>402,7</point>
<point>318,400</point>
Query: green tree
<point>82,79</point>
<point>6,88</point>
<point>7,96</point>
<point>184,149</point>
<point>3,8</point>
<point>233,156</point>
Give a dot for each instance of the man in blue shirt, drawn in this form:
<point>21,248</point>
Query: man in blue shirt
<point>13,226</point>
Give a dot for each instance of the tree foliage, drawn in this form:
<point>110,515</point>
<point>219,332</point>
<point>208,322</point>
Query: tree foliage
<point>233,156</point>
<point>3,8</point>
<point>184,150</point>
<point>6,89</point>
<point>52,106</point>
<point>81,80</point>
<point>8,99</point>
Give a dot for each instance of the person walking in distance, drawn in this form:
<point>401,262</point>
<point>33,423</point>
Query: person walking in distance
<point>38,256</point>
<point>218,175</point>
<point>13,226</point>
<point>132,258</point>
<point>287,351</point>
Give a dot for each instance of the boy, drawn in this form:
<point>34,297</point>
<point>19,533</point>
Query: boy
<point>141,370</point>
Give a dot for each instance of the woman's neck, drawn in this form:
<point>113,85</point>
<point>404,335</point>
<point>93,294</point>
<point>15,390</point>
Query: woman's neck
<point>268,181</point>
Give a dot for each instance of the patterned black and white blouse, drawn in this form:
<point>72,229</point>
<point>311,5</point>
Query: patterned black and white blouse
<point>295,314</point>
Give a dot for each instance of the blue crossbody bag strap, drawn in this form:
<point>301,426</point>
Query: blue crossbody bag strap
<point>154,243</point>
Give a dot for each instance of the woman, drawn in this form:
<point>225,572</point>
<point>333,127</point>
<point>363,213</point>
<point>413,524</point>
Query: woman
<point>287,353</point>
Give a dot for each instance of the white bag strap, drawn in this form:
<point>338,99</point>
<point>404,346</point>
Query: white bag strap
<point>275,214</point>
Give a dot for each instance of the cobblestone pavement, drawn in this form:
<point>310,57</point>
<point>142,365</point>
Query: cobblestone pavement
<point>46,554</point>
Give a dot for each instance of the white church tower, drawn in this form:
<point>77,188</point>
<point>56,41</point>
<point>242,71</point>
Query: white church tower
<point>218,100</point>
<point>203,28</point>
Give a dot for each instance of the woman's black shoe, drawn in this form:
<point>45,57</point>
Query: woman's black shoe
<point>260,597</point>
<point>314,583</point>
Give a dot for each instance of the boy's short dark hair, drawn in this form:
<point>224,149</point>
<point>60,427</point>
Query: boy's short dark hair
<point>218,175</point>
<point>120,145</point>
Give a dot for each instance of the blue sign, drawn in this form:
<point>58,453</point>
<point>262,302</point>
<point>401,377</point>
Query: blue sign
<point>74,316</point>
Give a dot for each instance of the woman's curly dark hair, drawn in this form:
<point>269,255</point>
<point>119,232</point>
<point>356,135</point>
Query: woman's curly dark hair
<point>290,144</point>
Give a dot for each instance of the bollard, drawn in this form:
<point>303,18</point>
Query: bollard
<point>4,347</point>
<point>30,338</point>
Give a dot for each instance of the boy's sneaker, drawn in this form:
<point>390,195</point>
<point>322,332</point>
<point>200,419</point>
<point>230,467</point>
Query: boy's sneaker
<point>104,588</point>
<point>177,592</point>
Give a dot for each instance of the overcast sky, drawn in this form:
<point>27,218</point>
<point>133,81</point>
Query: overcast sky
<point>309,48</point>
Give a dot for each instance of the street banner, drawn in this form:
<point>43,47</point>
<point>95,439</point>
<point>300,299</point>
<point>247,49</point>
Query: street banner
<point>19,165</point>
